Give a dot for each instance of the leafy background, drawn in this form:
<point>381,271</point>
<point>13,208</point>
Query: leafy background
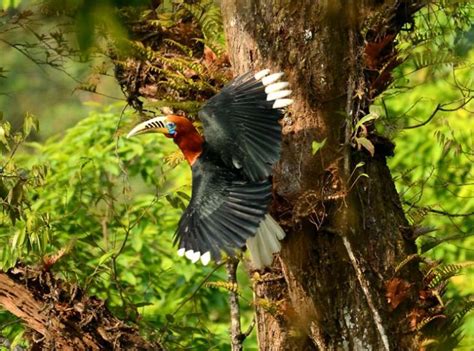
<point>70,181</point>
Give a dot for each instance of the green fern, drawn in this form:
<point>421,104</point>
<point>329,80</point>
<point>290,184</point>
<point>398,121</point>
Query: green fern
<point>467,305</point>
<point>428,320</point>
<point>446,334</point>
<point>186,50</point>
<point>208,16</point>
<point>442,273</point>
<point>232,287</point>
<point>408,259</point>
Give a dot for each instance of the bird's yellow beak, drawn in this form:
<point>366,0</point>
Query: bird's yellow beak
<point>154,125</point>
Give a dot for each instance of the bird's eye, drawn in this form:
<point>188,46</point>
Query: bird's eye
<point>171,127</point>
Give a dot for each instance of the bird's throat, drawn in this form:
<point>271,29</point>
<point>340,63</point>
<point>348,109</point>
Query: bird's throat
<point>190,144</point>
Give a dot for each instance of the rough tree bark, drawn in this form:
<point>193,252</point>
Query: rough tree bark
<point>344,236</point>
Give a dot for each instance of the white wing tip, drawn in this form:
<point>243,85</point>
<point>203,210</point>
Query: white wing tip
<point>195,256</point>
<point>271,78</point>
<point>206,258</point>
<point>192,256</point>
<point>261,74</point>
<point>280,103</point>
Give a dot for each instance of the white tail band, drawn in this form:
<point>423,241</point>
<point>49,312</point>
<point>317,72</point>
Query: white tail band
<point>278,95</point>
<point>276,86</point>
<point>266,242</point>
<point>261,74</point>
<point>271,78</point>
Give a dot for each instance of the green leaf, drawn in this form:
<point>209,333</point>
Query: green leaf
<point>17,340</point>
<point>16,193</point>
<point>316,146</point>
<point>105,257</point>
<point>30,122</point>
<point>184,195</point>
<point>3,136</point>
<point>366,144</point>
<point>19,238</point>
<point>367,118</point>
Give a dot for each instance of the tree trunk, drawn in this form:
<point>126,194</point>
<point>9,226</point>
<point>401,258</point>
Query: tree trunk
<point>346,233</point>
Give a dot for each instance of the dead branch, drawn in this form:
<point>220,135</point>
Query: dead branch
<point>61,317</point>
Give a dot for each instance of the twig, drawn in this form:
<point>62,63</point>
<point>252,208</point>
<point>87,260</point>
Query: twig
<point>249,329</point>
<point>190,297</point>
<point>440,107</point>
<point>236,336</point>
<point>435,111</point>
<point>440,212</point>
<point>365,289</point>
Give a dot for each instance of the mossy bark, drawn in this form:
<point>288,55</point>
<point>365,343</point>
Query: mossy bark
<point>345,235</point>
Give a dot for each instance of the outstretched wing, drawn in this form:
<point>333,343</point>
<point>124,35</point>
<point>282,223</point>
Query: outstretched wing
<point>241,122</point>
<point>223,213</point>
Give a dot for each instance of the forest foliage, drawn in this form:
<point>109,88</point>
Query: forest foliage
<point>106,208</point>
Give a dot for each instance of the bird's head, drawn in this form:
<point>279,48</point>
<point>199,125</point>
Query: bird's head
<point>180,129</point>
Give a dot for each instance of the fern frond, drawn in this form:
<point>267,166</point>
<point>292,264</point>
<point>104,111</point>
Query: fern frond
<point>407,260</point>
<point>216,46</point>
<point>174,158</point>
<point>185,49</point>
<point>232,287</point>
<point>427,320</point>
<point>467,306</point>
<point>444,272</point>
<point>418,38</point>
<point>427,59</point>
<point>208,16</point>
<point>428,342</point>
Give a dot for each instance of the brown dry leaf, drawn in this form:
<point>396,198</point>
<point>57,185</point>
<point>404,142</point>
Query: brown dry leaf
<point>190,73</point>
<point>397,291</point>
<point>49,261</point>
<point>373,52</point>
<point>415,316</point>
<point>209,56</point>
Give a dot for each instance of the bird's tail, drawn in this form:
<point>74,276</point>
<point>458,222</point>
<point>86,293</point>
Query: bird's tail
<point>266,242</point>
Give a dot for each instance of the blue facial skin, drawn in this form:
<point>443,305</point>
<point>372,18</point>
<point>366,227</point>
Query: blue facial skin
<point>171,128</point>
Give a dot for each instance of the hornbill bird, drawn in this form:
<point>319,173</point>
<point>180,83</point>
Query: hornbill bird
<point>231,165</point>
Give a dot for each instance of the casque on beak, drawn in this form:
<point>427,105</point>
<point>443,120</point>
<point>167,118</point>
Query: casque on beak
<point>154,125</point>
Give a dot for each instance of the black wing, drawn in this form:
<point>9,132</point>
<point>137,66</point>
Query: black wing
<point>241,122</point>
<point>223,213</point>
